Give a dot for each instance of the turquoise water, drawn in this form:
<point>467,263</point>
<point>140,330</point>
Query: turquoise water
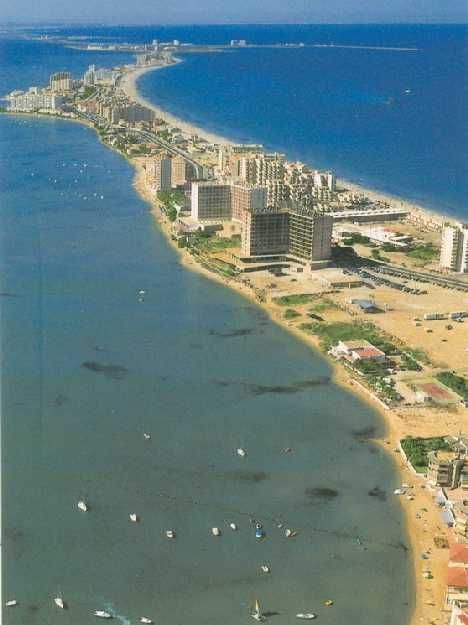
<point>87,368</point>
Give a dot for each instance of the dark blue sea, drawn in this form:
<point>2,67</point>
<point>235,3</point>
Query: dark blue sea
<point>87,368</point>
<point>391,120</point>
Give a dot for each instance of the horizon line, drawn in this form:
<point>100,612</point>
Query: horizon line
<point>185,24</point>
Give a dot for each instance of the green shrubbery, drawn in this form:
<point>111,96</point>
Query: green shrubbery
<point>416,450</point>
<point>331,333</point>
<point>294,300</point>
<point>455,382</point>
<point>425,253</point>
<point>290,313</point>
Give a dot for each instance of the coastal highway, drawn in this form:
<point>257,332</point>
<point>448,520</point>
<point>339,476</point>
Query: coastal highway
<point>200,170</point>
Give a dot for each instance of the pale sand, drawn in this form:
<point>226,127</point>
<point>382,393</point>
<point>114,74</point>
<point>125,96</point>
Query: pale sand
<point>429,593</point>
<point>128,84</point>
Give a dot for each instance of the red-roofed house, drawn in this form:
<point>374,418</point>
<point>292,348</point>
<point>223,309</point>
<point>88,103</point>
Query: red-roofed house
<point>457,585</point>
<point>358,350</point>
<point>458,555</point>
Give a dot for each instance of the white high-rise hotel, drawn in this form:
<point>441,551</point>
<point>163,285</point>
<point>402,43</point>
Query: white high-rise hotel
<point>454,248</point>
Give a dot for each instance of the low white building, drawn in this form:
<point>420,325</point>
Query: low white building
<point>355,351</point>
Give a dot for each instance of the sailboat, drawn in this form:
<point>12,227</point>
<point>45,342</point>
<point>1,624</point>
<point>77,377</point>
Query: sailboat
<point>256,614</point>
<point>59,602</point>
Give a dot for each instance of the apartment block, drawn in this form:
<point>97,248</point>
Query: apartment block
<point>61,81</point>
<point>454,248</point>
<point>310,234</point>
<point>182,171</point>
<point>34,99</point>
<point>264,232</point>
<point>262,168</point>
<point>324,180</point>
<point>211,201</point>
<point>158,173</point>
<point>247,198</point>
<point>229,157</point>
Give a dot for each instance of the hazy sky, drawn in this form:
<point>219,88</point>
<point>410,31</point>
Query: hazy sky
<point>234,11</point>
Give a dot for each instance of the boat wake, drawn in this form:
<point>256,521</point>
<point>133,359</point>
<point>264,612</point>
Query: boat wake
<point>118,617</point>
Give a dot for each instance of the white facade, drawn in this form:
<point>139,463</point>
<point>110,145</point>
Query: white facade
<point>33,100</point>
<point>454,248</point>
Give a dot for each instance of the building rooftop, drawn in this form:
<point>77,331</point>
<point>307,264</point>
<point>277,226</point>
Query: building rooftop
<point>459,553</point>
<point>368,352</point>
<point>457,577</point>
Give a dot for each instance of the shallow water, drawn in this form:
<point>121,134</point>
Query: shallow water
<point>87,368</point>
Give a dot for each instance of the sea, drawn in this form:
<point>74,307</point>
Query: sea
<point>89,364</point>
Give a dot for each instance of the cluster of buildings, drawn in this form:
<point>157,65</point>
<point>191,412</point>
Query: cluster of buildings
<point>34,99</point>
<point>94,76</point>
<point>167,171</point>
<point>457,585</point>
<point>251,190</point>
<point>454,248</point>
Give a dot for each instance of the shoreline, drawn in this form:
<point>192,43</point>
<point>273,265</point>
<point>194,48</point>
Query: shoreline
<point>129,85</point>
<point>390,419</point>
<point>388,441</point>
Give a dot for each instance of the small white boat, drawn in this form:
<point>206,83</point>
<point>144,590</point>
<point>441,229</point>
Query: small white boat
<point>290,533</point>
<point>233,526</point>
<point>141,292</point>
<point>147,436</point>
<point>170,533</point>
<point>59,602</point>
<point>398,491</point>
<point>256,613</point>
<point>216,531</point>
<point>241,452</point>
<point>82,506</point>
<point>265,568</point>
<point>306,616</point>
<point>11,603</point>
<point>145,619</point>
<point>134,517</point>
<point>102,614</point>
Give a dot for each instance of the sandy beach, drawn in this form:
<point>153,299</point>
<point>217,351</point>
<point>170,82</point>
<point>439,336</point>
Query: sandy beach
<point>423,521</point>
<point>129,84</point>
<point>422,517</point>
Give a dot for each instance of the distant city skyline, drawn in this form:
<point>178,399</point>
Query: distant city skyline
<point>242,12</point>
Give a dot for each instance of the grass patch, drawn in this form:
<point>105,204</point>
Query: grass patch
<point>455,382</point>
<point>377,256</point>
<point>418,354</point>
<point>416,450</point>
<point>425,253</point>
<point>324,304</point>
<point>209,244</point>
<point>290,313</point>
<point>409,364</point>
<point>293,300</point>
<point>330,333</point>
